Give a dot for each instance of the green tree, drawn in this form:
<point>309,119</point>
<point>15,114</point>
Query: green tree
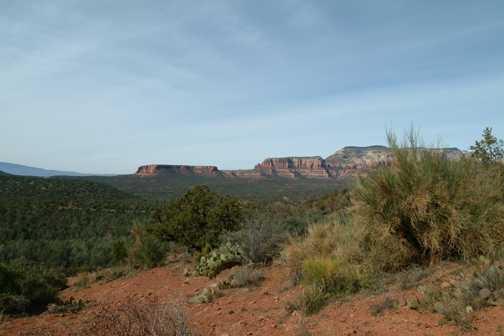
<point>489,148</point>
<point>198,218</point>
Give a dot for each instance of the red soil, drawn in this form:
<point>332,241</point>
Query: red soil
<point>255,311</point>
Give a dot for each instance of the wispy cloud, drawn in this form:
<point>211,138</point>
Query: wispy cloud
<point>229,82</point>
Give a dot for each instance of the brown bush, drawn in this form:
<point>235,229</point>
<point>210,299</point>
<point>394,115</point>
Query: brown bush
<point>138,318</point>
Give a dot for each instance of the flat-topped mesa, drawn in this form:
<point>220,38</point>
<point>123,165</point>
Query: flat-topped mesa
<point>351,160</point>
<point>311,166</point>
<point>348,161</point>
<point>155,169</point>
<point>354,160</point>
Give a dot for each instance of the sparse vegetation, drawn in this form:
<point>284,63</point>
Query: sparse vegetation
<point>67,306</point>
<point>422,209</point>
<point>138,318</point>
<point>458,302</point>
<point>387,304</point>
<point>245,276</point>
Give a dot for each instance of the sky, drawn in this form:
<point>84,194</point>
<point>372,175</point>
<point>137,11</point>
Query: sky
<point>102,86</point>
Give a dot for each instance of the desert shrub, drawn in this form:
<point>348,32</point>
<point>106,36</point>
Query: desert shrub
<point>119,251</point>
<point>138,318</point>
<point>329,261</point>
<point>198,218</point>
<point>245,276</point>
<point>410,277</point>
<point>27,288</point>
<point>336,278</point>
<point>112,273</point>
<point>312,299</point>
<point>147,250</point>
<point>259,239</point>
<point>67,306</point>
<point>431,207</point>
<point>329,240</point>
<point>84,280</point>
<point>226,256</point>
<point>387,304</point>
<point>206,295</point>
<point>13,304</point>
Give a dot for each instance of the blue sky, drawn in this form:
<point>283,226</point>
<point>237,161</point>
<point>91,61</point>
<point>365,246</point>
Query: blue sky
<point>103,86</point>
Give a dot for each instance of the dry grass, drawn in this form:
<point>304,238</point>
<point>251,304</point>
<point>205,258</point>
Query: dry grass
<point>138,318</point>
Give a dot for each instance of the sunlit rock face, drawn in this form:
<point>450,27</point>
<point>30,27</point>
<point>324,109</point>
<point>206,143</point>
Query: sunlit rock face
<point>347,161</point>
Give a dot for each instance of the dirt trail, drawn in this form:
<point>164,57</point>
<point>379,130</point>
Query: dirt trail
<point>255,311</point>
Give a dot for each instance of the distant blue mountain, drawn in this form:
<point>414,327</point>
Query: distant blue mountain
<point>16,169</point>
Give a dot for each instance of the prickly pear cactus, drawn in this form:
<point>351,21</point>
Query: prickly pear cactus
<point>227,255</point>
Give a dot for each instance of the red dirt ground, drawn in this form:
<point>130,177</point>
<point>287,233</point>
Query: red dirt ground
<point>255,311</point>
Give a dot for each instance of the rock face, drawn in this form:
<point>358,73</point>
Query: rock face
<point>313,166</point>
<point>154,169</point>
<point>345,162</point>
<point>351,160</point>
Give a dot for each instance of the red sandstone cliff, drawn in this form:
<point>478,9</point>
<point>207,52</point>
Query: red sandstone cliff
<point>345,162</point>
<point>155,169</point>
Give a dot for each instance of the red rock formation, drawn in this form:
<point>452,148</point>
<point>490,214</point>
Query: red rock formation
<point>313,166</point>
<point>346,161</point>
<point>154,169</point>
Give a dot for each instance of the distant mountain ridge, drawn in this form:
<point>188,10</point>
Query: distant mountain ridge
<point>344,162</point>
<point>17,169</point>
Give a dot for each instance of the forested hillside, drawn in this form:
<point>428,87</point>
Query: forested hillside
<point>63,223</point>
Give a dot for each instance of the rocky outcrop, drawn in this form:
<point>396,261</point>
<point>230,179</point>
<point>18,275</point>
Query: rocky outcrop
<point>345,162</point>
<point>313,166</point>
<point>185,170</point>
<point>351,160</point>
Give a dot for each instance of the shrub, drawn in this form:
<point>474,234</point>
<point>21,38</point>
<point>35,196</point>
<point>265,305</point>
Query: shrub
<point>313,299</point>
<point>259,239</point>
<point>387,304</point>
<point>206,295</point>
<point>67,306</point>
<point>331,276</point>
<point>431,208</point>
<point>147,251</point>
<point>409,278</point>
<point>26,288</point>
<point>13,304</point>
<point>138,318</point>
<point>119,251</point>
<point>330,241</point>
<point>197,218</point>
<point>245,276</point>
